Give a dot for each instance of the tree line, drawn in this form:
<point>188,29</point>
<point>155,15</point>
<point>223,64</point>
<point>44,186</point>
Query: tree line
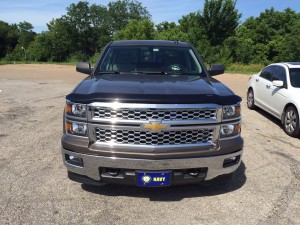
<point>215,31</point>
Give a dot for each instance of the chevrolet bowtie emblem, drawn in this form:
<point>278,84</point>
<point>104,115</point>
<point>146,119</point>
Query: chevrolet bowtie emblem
<point>155,126</point>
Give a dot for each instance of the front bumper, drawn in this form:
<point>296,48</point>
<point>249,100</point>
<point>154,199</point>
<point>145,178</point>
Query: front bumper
<point>92,165</point>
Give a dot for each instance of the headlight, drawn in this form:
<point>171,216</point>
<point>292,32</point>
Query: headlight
<point>79,129</point>
<point>231,111</point>
<point>228,130</point>
<point>75,109</point>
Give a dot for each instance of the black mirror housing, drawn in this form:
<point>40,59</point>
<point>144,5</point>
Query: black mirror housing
<point>216,69</point>
<point>84,67</point>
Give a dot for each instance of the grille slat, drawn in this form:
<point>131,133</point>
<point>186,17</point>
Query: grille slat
<point>136,137</point>
<point>150,114</point>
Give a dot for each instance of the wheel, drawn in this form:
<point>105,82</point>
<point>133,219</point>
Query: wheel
<point>250,99</point>
<point>291,121</point>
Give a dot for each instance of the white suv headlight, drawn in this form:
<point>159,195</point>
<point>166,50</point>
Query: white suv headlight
<point>76,109</point>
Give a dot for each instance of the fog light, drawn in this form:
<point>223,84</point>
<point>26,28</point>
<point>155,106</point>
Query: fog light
<point>231,161</point>
<point>74,160</point>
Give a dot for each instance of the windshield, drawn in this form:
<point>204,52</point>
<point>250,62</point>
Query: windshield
<point>150,60</point>
<point>295,77</point>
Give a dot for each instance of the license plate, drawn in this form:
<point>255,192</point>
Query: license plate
<point>153,179</point>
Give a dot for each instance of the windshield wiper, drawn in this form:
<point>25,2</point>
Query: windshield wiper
<point>151,72</point>
<point>108,72</point>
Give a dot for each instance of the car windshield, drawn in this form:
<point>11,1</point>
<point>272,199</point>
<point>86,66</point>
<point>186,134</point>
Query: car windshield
<point>295,77</point>
<point>150,60</point>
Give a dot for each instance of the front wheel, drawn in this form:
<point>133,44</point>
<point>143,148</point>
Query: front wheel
<point>250,99</point>
<point>291,122</point>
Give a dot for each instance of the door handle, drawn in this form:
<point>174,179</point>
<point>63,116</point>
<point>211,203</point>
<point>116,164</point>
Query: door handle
<point>268,86</point>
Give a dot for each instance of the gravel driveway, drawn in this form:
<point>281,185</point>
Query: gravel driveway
<point>35,189</point>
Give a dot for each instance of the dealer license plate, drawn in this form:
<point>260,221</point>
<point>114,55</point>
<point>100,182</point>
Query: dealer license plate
<point>153,179</point>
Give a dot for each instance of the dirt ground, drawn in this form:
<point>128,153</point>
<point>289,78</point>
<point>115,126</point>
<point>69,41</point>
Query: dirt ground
<point>35,189</point>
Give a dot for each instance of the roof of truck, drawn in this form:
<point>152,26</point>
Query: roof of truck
<point>150,43</point>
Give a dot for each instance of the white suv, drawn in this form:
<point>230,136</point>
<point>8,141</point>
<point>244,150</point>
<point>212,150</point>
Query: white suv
<point>276,89</point>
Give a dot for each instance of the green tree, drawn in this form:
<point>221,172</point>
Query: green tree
<point>165,26</point>
<point>265,39</point>
<point>208,29</point>
<point>137,30</point>
<point>9,36</point>
<point>172,33</point>
<point>40,49</point>
<point>191,25</point>
<point>79,19</point>
<point>86,29</point>
<point>290,49</point>
<point>219,20</point>
<point>101,27</point>
<point>61,38</point>
<point>122,11</point>
<point>26,34</point>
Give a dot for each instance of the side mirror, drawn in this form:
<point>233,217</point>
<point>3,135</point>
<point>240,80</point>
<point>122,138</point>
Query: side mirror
<point>216,69</point>
<point>84,67</point>
<point>278,83</point>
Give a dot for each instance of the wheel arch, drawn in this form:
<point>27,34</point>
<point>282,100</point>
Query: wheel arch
<point>250,88</point>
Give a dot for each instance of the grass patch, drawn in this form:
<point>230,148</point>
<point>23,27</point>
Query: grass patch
<point>246,69</point>
<point>232,68</point>
<point>3,62</point>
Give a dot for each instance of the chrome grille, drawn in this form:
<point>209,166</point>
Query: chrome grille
<point>149,114</point>
<point>137,137</point>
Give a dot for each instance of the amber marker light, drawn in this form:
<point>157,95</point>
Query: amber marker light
<point>238,128</point>
<point>68,108</point>
<point>69,127</point>
<point>238,110</point>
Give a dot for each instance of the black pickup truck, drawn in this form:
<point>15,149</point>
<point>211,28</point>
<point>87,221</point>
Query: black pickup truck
<point>150,114</point>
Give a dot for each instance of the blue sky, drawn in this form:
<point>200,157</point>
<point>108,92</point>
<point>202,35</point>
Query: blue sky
<point>40,12</point>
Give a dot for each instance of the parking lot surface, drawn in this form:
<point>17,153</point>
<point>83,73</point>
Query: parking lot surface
<point>35,189</point>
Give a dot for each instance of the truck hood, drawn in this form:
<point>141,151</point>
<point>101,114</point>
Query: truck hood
<point>132,88</point>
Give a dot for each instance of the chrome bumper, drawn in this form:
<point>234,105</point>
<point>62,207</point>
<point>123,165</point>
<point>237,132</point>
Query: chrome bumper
<point>92,163</point>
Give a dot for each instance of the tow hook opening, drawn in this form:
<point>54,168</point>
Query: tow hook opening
<point>231,161</point>
<point>74,160</point>
<point>113,171</point>
<point>193,172</point>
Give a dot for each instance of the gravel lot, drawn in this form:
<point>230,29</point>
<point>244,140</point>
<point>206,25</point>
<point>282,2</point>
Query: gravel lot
<point>35,188</point>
